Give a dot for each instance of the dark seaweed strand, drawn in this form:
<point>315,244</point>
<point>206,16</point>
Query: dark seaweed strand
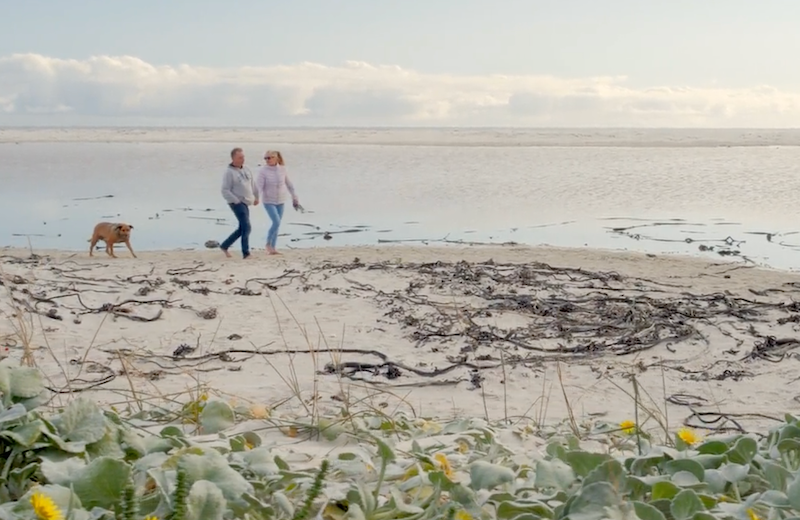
<point>314,492</point>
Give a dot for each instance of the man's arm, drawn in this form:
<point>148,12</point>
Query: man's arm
<point>227,188</point>
<point>254,187</point>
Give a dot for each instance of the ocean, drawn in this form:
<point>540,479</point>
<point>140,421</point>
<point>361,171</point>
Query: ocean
<point>713,193</point>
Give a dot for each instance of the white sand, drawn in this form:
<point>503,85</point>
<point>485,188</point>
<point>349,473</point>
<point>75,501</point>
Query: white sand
<point>349,318</point>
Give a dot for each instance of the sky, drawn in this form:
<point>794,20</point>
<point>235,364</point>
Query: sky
<point>571,63</point>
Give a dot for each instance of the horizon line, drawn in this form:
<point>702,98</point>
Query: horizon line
<point>386,127</point>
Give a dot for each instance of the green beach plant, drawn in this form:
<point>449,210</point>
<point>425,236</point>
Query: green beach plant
<point>81,462</point>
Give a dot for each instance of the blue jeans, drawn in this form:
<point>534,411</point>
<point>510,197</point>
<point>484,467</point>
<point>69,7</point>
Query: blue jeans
<point>242,213</point>
<point>275,212</point>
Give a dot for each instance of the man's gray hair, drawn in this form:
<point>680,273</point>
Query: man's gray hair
<point>235,151</point>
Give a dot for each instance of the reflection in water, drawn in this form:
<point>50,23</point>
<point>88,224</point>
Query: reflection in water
<point>187,227</point>
<point>662,199</point>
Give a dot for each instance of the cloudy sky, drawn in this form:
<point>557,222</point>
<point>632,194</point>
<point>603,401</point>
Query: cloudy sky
<point>653,63</point>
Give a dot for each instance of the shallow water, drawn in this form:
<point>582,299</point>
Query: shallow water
<point>696,192</point>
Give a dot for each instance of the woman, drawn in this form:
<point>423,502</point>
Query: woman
<point>272,182</point>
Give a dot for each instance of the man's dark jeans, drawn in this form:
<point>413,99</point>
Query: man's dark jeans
<point>242,212</point>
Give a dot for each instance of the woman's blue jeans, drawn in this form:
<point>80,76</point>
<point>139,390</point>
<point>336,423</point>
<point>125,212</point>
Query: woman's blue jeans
<point>275,213</point>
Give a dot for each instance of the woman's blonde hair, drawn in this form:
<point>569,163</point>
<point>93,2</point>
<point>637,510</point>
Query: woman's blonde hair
<point>277,154</point>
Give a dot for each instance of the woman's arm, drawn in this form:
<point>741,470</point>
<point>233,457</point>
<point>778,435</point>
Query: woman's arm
<point>261,183</point>
<point>290,187</point>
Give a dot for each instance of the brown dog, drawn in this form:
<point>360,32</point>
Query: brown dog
<point>111,233</point>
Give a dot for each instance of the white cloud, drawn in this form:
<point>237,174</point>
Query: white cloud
<point>36,89</point>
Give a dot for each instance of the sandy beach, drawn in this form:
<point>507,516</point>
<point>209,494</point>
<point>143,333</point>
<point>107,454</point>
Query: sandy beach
<point>493,332</point>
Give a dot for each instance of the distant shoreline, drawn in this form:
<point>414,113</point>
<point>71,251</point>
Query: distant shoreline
<point>303,249</point>
<point>406,136</point>
<point>579,256</point>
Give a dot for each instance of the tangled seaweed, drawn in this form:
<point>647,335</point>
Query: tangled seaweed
<point>555,313</point>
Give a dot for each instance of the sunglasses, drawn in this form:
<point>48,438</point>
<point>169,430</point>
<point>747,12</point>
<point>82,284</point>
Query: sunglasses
<point>270,157</point>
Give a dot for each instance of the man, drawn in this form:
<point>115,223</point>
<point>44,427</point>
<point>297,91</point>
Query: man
<point>239,191</point>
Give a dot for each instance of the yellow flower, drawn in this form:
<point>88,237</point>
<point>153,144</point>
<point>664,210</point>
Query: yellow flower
<point>258,411</point>
<point>462,446</point>
<point>628,427</point>
<point>428,426</point>
<point>688,436</point>
<point>247,445</point>
<point>334,511</point>
<point>151,517</point>
<point>412,471</point>
<point>463,515</point>
<point>45,508</point>
<point>204,397</point>
<point>423,493</point>
<point>441,459</point>
<point>752,515</point>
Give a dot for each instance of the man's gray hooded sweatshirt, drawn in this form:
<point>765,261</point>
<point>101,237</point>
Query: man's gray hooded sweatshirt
<point>238,185</point>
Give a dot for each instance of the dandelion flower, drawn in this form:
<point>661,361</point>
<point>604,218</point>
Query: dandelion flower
<point>151,517</point>
<point>752,515</point>
<point>463,515</point>
<point>463,447</point>
<point>258,411</point>
<point>45,508</point>
<point>441,458</point>
<point>428,426</point>
<point>412,471</point>
<point>334,511</point>
<point>423,493</point>
<point>688,436</point>
<point>628,427</point>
